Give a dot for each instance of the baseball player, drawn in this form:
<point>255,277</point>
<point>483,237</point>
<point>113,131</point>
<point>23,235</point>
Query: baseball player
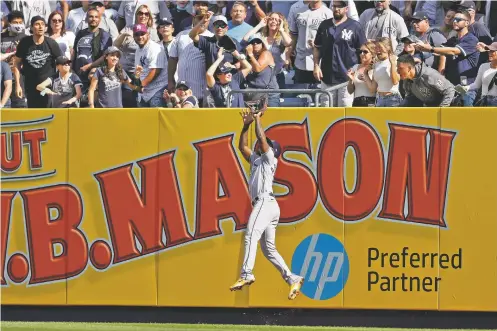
<point>266,212</point>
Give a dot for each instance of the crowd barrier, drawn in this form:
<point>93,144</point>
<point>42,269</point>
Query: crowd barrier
<point>381,208</point>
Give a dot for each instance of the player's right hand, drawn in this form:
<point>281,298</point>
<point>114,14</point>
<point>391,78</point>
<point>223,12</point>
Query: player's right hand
<point>247,116</point>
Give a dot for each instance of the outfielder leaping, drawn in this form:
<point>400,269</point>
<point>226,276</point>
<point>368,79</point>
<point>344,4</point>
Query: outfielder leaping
<point>266,212</point>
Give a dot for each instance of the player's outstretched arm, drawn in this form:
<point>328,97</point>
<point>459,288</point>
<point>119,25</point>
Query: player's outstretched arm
<point>259,132</point>
<point>248,118</point>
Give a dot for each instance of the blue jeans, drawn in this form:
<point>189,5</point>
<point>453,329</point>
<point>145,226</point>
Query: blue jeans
<point>273,100</point>
<point>469,98</point>
<point>492,101</point>
<point>392,100</point>
<point>156,101</point>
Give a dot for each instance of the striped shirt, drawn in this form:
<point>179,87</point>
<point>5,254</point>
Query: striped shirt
<point>152,56</point>
<point>191,62</point>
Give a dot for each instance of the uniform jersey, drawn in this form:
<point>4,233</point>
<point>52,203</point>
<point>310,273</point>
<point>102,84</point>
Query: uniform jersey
<point>262,169</point>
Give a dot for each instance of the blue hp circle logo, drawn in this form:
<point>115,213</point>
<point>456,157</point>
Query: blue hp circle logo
<point>321,259</point>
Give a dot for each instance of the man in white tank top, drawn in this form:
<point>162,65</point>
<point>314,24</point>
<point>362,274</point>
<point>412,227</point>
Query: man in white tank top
<point>266,212</point>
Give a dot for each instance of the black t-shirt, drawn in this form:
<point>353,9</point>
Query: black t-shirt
<point>338,47</point>
<point>208,46</point>
<point>8,43</point>
<point>178,16</point>
<point>38,61</point>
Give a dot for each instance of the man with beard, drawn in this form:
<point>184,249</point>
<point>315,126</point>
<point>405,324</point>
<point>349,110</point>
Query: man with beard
<point>337,41</point>
<point>8,44</point>
<point>37,55</point>
<point>384,22</point>
<point>89,47</point>
<point>424,86</point>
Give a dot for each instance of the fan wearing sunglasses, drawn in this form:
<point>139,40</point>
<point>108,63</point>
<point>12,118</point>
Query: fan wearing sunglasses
<point>461,53</point>
<point>358,85</point>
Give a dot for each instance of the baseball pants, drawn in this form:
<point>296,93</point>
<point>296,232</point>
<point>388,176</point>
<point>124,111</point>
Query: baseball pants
<point>262,226</point>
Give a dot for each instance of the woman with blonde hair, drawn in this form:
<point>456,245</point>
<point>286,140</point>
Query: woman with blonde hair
<point>276,35</point>
<point>143,15</point>
<point>385,82</point>
<point>358,85</point>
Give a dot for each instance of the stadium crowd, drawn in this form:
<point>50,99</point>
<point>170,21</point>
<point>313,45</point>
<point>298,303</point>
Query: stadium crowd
<point>189,54</point>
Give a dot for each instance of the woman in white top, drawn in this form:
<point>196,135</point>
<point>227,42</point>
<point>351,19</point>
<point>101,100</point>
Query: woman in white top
<point>276,35</point>
<point>57,31</point>
<point>363,96</point>
<point>143,15</point>
<point>486,78</point>
<point>385,76</point>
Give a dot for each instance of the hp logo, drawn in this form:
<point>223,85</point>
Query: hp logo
<point>321,259</point>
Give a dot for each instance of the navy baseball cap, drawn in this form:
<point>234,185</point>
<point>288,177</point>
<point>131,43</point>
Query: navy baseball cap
<point>164,21</point>
<point>275,146</point>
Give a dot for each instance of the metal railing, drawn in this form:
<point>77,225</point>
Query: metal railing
<point>317,93</point>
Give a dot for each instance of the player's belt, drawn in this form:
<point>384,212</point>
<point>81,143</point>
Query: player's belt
<point>260,197</point>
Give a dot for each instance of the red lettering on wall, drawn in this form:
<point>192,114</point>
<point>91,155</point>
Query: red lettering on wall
<point>357,134</point>
<point>218,164</point>
<point>34,138</point>
<point>7,198</point>
<point>43,232</point>
<point>424,176</point>
<point>144,213</point>
<point>297,177</point>
<point>12,162</point>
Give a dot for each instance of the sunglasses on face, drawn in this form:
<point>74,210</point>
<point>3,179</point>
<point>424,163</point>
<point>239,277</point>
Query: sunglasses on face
<point>363,51</point>
<point>143,13</point>
<point>220,25</point>
<point>139,34</point>
<point>458,19</point>
<point>56,20</point>
<point>255,42</point>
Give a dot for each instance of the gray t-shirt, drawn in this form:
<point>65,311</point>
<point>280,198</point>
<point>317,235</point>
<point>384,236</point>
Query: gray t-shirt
<point>305,23</point>
<point>109,89</point>
<point>66,89</point>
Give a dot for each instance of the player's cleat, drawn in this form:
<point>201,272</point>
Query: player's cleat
<point>241,283</point>
<point>295,289</point>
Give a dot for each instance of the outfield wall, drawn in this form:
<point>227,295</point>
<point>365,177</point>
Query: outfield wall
<point>380,208</point>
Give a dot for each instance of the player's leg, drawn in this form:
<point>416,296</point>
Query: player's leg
<point>257,223</point>
<point>268,246</point>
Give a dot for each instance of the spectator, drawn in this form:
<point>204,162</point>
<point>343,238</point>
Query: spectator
<point>66,86</point>
<point>486,79</point>
<point>383,22</point>
<point>144,16</point>
<point>434,37</point>
<point>151,61</point>
<point>89,47</point>
<point>461,53</point>
<point>128,10</point>
<point>57,31</point>
<point>183,98</point>
<point>5,85</point>
<point>303,23</point>
<point>37,55</point>
<point>188,62</point>
<point>228,79</point>
<point>385,77</point>
<point>275,33</point>
<point>76,16</point>
<point>127,45</point>
<point>105,24</point>
<point>409,48</point>
<point>477,28</point>
<point>337,41</point>
<point>179,13</point>
<point>447,25</point>
<point>9,41</point>
<point>262,75</point>
<point>423,85</point>
<point>237,27</point>
<point>363,97</point>
<point>200,8</point>
<point>31,9</point>
<point>110,12</point>
<point>210,45</point>
<point>433,10</point>
<point>107,80</point>
<point>255,11</point>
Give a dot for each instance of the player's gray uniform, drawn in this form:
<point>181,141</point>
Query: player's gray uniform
<point>264,217</point>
